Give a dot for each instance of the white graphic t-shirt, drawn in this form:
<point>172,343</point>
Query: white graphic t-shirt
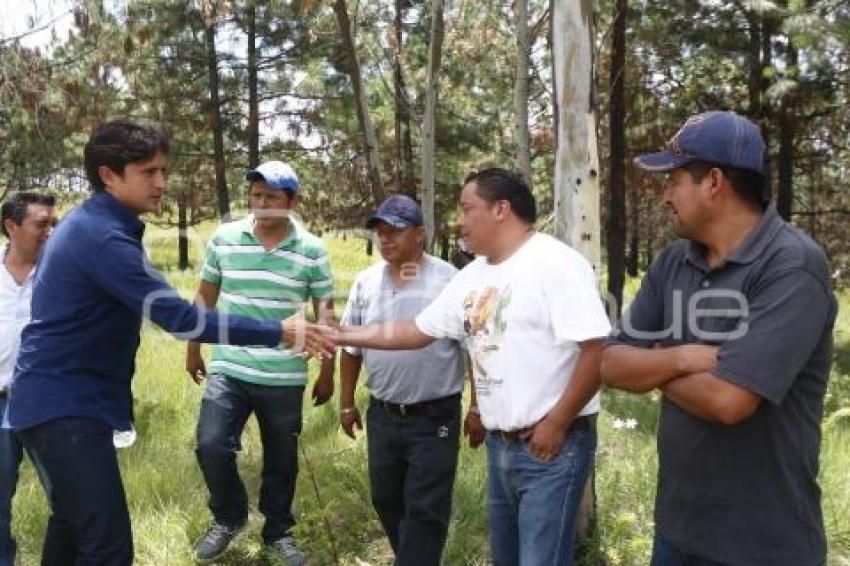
<point>521,320</point>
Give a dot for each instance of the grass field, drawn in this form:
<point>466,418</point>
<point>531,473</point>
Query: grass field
<point>336,522</point>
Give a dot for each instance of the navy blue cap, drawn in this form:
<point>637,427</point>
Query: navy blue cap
<point>399,211</point>
<point>276,174</point>
<point>723,138</point>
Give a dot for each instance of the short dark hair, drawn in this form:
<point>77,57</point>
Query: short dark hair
<point>15,207</point>
<point>497,184</point>
<point>116,144</point>
<point>749,185</point>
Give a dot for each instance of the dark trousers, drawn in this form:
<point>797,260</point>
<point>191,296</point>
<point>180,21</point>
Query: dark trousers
<point>11,454</point>
<point>89,524</point>
<point>665,554</point>
<point>412,462</point>
<point>225,408</point>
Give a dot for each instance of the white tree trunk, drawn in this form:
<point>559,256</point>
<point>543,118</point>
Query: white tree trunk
<point>576,159</point>
<point>430,118</point>
<point>523,155</point>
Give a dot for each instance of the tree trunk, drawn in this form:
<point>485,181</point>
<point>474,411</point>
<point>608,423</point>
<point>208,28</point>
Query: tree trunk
<point>632,264</point>
<point>430,117</point>
<point>649,252</point>
<point>253,101</point>
<point>763,119</point>
<point>215,119</point>
<point>370,140</point>
<point>754,79</point>
<point>616,232</point>
<point>182,232</point>
<point>403,138</point>
<point>550,40</point>
<point>785,192</point>
<point>523,155</point>
<point>576,160</point>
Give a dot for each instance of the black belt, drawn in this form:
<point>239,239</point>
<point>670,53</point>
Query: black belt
<point>584,422</point>
<point>405,409</point>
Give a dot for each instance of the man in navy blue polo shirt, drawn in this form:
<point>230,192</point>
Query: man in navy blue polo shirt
<point>71,385</point>
<point>733,324</point>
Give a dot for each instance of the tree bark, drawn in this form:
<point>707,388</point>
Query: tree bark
<point>616,232</point>
<point>370,140</point>
<point>755,49</point>
<point>215,119</point>
<point>576,159</point>
<point>523,155</point>
<point>576,162</point>
<point>253,102</point>
<point>403,137</point>
<point>429,118</point>
<point>764,117</point>
<point>787,132</point>
<point>182,232</point>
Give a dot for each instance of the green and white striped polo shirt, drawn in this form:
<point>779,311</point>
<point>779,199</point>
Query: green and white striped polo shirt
<point>264,284</point>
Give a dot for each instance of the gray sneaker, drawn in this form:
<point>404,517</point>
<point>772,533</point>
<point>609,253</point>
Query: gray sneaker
<point>214,542</point>
<point>285,549</point>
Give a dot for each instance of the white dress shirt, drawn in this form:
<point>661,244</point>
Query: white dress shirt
<point>14,315</point>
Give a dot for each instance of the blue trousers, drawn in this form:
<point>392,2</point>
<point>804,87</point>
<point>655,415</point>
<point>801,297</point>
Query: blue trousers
<point>533,503</point>
<point>225,408</point>
<point>89,524</point>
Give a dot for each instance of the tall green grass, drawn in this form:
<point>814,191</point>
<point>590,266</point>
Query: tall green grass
<point>167,496</point>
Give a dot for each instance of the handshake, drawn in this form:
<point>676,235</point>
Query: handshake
<point>310,339</point>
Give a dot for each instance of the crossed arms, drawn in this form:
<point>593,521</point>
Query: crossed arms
<point>684,375</point>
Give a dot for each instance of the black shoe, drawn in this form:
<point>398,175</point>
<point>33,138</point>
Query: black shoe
<point>214,542</point>
<point>285,549</point>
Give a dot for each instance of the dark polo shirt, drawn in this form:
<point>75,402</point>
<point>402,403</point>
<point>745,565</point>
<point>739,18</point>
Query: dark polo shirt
<point>745,494</point>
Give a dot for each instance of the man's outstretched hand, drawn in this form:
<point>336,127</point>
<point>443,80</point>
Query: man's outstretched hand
<point>306,337</point>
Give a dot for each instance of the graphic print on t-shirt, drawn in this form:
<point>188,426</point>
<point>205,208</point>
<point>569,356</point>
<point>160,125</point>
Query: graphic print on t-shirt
<point>484,324</point>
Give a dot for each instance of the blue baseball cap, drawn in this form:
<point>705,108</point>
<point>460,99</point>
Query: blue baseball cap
<point>399,211</point>
<point>722,138</point>
<point>276,174</point>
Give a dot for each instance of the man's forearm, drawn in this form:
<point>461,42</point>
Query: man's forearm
<point>639,369</point>
<point>206,297</point>
<point>473,397</point>
<point>582,387</point>
<point>328,367</point>
<point>710,398</point>
<point>401,335</point>
<point>349,371</point>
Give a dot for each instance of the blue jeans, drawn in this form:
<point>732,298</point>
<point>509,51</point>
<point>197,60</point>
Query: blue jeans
<point>11,454</point>
<point>225,408</point>
<point>89,525</point>
<point>533,503</point>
